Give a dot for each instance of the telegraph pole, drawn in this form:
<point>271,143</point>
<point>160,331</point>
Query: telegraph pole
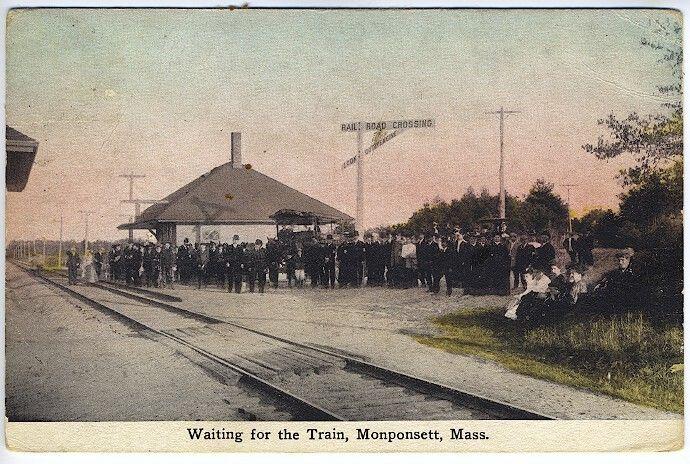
<point>131,176</point>
<point>570,219</point>
<point>86,229</point>
<point>502,113</point>
<point>136,201</point>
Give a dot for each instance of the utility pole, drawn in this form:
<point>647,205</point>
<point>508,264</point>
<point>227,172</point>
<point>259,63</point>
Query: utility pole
<point>131,176</point>
<point>502,113</point>
<point>136,201</point>
<point>86,229</point>
<point>570,219</point>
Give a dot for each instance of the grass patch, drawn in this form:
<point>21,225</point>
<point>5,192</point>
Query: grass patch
<point>626,356</point>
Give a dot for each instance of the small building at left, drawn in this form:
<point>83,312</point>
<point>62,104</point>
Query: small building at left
<point>21,151</point>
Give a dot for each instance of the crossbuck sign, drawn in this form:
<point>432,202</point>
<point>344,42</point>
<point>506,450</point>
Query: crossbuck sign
<point>385,131</point>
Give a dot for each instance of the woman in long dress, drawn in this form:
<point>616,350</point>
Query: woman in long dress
<point>89,269</point>
<point>537,282</point>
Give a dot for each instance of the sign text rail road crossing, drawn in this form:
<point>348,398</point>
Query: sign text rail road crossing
<point>387,125</point>
<point>396,127</point>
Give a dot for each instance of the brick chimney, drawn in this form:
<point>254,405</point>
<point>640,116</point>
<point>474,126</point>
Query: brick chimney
<point>236,149</point>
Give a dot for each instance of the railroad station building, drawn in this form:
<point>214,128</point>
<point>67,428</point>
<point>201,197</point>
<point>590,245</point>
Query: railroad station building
<point>21,152</point>
<point>232,194</point>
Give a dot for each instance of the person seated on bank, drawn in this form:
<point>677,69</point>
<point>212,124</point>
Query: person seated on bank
<point>576,283</point>
<point>618,289</point>
<point>537,288</point>
<point>558,279</point>
<point>562,295</point>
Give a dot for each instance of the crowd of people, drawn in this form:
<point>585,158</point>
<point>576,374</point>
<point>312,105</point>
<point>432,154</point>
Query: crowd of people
<point>476,263</point>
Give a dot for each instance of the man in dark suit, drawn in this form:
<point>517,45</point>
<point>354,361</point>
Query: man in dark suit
<point>154,276</point>
<point>370,258</point>
<point>546,253</point>
<point>359,258</point>
<point>442,265</point>
<point>585,248</point>
<point>329,256</point>
<point>499,266</point>
<point>461,252</point>
<point>347,274</point>
<point>255,266</point>
<point>273,258</point>
<point>233,259</point>
<point>571,246</point>
<point>423,262</point>
<point>73,263</point>
<point>169,264</point>
<point>523,257</point>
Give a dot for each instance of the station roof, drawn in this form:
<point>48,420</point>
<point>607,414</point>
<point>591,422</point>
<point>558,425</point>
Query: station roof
<point>21,152</point>
<point>232,195</point>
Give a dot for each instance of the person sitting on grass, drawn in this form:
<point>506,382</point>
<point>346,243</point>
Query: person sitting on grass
<point>559,299</point>
<point>576,284</point>
<point>618,289</point>
<point>537,288</point>
<point>562,295</point>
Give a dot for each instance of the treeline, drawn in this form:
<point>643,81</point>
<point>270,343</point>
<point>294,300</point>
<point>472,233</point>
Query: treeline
<point>650,215</point>
<point>540,210</point>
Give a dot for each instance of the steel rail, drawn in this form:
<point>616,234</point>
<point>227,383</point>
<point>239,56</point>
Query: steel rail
<point>304,409</point>
<point>501,409</point>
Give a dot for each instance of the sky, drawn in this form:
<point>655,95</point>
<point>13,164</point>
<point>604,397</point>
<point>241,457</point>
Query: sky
<point>157,92</point>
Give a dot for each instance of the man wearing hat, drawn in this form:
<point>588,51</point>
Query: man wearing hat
<point>329,255</point>
<point>546,253</point>
<point>273,259</point>
<point>202,265</point>
<point>347,274</point>
<point>619,288</point>
<point>156,269</point>
<point>359,257</point>
<point>168,264</point>
<point>313,261</point>
<point>233,259</point>
<point>255,266</point>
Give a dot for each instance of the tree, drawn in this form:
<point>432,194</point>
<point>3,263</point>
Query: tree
<point>660,194</point>
<point>656,141</point>
<point>543,209</point>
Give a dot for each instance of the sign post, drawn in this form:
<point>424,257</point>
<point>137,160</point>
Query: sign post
<point>395,127</point>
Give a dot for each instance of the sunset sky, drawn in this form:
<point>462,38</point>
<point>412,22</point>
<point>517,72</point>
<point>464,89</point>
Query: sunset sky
<point>158,92</point>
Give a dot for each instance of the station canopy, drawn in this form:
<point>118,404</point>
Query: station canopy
<point>232,195</point>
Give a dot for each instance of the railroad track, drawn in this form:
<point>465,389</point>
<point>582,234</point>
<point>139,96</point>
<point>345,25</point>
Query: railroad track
<point>312,383</point>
